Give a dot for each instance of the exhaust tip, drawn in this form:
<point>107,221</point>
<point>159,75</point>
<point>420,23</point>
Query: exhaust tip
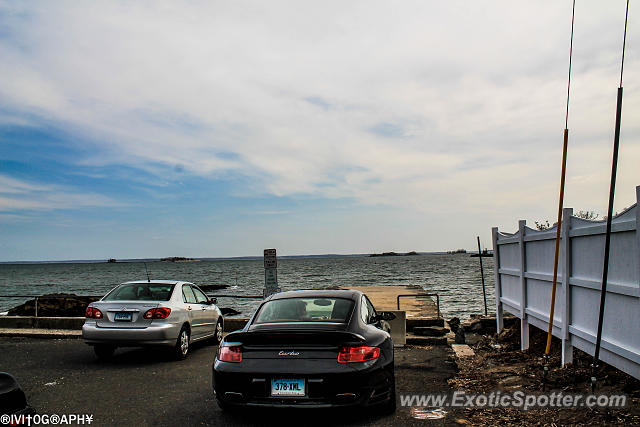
<point>346,397</point>
<point>232,395</point>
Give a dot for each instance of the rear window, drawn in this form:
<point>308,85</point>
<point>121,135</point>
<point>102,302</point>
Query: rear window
<point>140,292</point>
<point>305,310</point>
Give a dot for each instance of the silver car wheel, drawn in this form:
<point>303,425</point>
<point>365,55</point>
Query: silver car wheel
<point>219,331</point>
<point>184,342</point>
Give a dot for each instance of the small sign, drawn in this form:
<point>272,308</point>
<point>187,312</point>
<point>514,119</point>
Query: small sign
<point>270,278</point>
<point>270,272</point>
<point>270,259</point>
<point>270,282</point>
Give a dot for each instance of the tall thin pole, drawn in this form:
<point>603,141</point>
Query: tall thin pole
<point>558,227</point>
<point>561,198</point>
<point>612,190</point>
<point>607,238</point>
<point>484,292</point>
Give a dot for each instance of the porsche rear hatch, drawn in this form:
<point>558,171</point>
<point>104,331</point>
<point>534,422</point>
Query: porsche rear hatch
<point>311,342</point>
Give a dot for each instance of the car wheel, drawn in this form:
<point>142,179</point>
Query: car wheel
<point>390,406</point>
<point>224,406</point>
<point>218,332</point>
<point>181,350</point>
<point>104,352</point>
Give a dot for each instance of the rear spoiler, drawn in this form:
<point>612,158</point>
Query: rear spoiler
<point>294,336</point>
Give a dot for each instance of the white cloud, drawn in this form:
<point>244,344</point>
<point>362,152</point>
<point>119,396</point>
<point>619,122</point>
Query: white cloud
<point>18,195</point>
<point>473,92</point>
<point>10,185</point>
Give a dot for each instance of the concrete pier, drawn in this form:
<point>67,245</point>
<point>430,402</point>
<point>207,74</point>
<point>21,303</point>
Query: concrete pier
<point>421,324</point>
<point>385,298</point>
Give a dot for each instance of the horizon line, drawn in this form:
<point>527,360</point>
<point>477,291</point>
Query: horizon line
<point>243,257</point>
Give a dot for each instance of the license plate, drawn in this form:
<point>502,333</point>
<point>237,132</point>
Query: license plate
<point>287,387</point>
<point>123,317</point>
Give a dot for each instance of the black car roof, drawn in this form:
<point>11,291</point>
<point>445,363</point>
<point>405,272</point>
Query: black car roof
<point>330,293</point>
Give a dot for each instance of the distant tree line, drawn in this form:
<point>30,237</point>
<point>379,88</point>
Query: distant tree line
<point>590,215</point>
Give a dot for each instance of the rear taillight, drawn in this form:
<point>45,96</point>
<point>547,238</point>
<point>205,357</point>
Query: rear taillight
<point>93,313</point>
<point>231,353</point>
<point>157,313</point>
<point>358,354</point>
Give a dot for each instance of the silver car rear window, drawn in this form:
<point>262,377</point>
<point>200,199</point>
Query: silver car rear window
<point>319,309</point>
<point>140,292</point>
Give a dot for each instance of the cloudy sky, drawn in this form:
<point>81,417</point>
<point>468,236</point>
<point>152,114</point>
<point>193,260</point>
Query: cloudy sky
<point>150,129</point>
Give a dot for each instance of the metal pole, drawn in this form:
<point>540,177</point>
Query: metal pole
<point>558,226</point>
<point>607,239</point>
<point>484,292</point>
<point>612,191</point>
<point>561,198</point>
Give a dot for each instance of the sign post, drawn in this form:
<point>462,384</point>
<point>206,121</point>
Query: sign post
<point>270,272</point>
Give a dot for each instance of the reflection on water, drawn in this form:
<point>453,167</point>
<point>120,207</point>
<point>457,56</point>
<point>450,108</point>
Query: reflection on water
<point>455,277</point>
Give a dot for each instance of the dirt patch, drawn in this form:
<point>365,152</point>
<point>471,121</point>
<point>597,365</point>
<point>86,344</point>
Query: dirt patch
<point>499,366</point>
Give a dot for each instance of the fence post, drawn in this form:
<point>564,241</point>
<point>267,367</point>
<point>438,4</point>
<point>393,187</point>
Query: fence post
<point>524,321</point>
<point>497,283</point>
<point>567,348</point>
<point>638,224</point>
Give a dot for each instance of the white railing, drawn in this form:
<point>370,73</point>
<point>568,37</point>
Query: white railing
<point>523,268</point>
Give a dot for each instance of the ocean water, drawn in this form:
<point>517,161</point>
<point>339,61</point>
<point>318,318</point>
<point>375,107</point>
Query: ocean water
<point>456,277</point>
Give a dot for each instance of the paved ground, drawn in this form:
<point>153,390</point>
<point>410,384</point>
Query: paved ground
<point>145,387</point>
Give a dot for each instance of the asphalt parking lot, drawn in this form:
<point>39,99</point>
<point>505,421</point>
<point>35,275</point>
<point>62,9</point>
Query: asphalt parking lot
<point>146,387</point>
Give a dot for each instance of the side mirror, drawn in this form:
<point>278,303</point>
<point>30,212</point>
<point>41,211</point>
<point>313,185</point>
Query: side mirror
<point>213,300</point>
<point>386,315</point>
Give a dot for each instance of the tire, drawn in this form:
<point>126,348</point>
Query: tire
<point>217,337</point>
<point>181,349</point>
<point>224,406</point>
<point>103,351</point>
<point>389,407</point>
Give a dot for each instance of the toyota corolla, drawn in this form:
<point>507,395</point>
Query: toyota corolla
<point>308,349</point>
<point>156,312</point>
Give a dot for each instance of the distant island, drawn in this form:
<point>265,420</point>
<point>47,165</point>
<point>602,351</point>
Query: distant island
<point>412,253</point>
<point>485,253</point>
<point>457,251</point>
<point>178,259</point>
<point>111,260</point>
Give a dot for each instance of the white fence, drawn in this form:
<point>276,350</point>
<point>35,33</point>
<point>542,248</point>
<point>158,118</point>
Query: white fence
<point>523,269</point>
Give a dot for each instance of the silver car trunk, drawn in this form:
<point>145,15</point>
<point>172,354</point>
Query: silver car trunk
<point>124,314</point>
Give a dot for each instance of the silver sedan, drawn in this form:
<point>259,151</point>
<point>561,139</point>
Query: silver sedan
<point>156,312</point>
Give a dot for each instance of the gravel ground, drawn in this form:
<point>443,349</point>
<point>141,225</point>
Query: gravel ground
<point>499,365</point>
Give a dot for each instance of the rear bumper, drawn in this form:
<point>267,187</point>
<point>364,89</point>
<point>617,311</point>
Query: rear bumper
<point>154,334</point>
<point>338,386</point>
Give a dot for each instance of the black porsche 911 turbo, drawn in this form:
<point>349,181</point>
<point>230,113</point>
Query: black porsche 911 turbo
<point>317,349</point>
